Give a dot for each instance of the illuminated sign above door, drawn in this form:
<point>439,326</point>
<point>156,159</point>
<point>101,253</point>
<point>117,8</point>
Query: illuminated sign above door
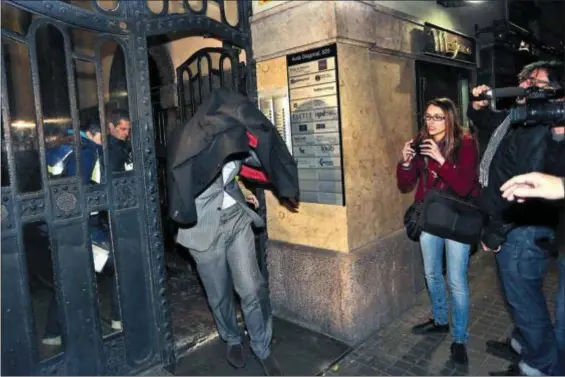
<point>446,44</point>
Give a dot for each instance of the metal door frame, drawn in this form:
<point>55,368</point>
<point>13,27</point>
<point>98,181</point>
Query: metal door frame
<point>147,339</point>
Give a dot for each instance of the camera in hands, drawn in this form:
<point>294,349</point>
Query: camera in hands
<point>538,106</point>
<point>417,146</point>
<point>543,106</point>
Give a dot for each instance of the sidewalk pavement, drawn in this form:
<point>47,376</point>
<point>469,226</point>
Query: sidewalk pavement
<point>395,351</point>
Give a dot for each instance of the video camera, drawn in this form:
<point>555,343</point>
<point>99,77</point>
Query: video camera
<point>542,107</point>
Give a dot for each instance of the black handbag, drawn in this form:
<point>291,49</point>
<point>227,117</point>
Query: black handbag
<point>412,221</point>
<point>444,214</point>
<point>447,215</point>
<point>412,216</point>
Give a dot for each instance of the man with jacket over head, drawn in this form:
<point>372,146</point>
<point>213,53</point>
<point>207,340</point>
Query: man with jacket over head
<point>205,158</point>
<point>519,234</point>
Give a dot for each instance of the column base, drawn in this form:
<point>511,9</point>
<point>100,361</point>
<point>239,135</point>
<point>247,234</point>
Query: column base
<point>347,296</point>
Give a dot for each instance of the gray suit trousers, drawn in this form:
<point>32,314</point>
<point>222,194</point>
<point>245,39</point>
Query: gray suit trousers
<point>231,262</point>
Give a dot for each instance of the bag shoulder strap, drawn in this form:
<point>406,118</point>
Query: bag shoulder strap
<point>425,173</point>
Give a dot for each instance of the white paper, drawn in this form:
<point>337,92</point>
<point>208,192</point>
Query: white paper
<point>100,257</point>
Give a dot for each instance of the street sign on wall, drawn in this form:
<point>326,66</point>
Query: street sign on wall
<point>315,126</point>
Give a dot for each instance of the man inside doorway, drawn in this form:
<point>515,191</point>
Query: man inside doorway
<point>119,146</point>
<point>62,163</point>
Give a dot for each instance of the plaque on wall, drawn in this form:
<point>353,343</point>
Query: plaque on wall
<point>315,125</point>
<point>443,43</point>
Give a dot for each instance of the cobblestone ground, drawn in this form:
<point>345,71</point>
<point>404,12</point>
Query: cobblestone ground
<point>395,351</point>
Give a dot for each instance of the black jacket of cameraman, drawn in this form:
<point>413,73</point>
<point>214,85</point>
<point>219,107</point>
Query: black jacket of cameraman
<point>524,149</point>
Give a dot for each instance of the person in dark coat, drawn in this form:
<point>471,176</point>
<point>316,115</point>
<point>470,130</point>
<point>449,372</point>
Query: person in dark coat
<point>62,162</point>
<point>516,233</point>
<point>206,156</point>
<point>119,145</point>
<point>544,186</point>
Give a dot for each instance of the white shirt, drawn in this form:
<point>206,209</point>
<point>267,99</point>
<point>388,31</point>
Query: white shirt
<point>227,172</point>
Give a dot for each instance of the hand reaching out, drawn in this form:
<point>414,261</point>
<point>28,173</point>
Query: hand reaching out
<point>290,203</point>
<point>533,185</point>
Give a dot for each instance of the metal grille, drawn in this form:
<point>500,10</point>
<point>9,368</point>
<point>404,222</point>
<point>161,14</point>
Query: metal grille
<point>45,217</point>
<point>206,70</point>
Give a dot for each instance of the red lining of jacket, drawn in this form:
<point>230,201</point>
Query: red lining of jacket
<point>252,173</point>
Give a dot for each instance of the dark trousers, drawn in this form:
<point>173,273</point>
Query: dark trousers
<point>522,266</point>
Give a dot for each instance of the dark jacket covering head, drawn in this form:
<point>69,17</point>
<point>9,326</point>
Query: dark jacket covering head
<point>219,131</point>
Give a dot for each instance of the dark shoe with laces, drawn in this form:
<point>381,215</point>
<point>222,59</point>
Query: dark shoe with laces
<point>430,327</point>
<point>271,366</point>
<point>502,350</point>
<point>235,356</point>
<point>459,353</point>
<point>513,370</point>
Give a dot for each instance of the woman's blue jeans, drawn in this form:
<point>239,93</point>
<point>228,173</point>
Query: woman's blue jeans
<point>433,248</point>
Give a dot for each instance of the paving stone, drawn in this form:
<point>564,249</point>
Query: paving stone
<point>366,371</point>
<point>395,371</point>
<point>412,357</point>
<point>418,370</point>
<point>394,350</point>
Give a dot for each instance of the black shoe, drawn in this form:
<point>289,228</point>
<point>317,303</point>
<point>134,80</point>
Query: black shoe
<point>430,327</point>
<point>235,356</point>
<point>271,366</point>
<point>502,350</point>
<point>459,353</point>
<point>513,370</point>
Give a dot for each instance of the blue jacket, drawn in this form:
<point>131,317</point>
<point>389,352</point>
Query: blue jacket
<point>62,162</point>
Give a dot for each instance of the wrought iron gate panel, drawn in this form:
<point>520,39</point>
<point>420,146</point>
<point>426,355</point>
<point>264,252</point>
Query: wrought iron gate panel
<point>131,198</point>
<point>200,21</point>
<point>56,204</point>
<point>192,69</point>
<point>103,21</point>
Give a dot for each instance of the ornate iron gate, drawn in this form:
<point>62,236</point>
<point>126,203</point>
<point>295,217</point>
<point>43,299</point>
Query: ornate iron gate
<point>61,69</point>
<point>206,70</point>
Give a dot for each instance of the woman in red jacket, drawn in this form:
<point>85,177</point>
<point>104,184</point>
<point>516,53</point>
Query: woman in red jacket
<point>447,154</point>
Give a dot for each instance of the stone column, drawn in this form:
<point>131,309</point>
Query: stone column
<point>347,270</point>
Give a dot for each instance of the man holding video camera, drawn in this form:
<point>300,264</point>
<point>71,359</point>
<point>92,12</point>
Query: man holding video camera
<point>519,234</point>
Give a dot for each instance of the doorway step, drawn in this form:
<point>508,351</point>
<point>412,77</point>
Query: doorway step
<point>300,352</point>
